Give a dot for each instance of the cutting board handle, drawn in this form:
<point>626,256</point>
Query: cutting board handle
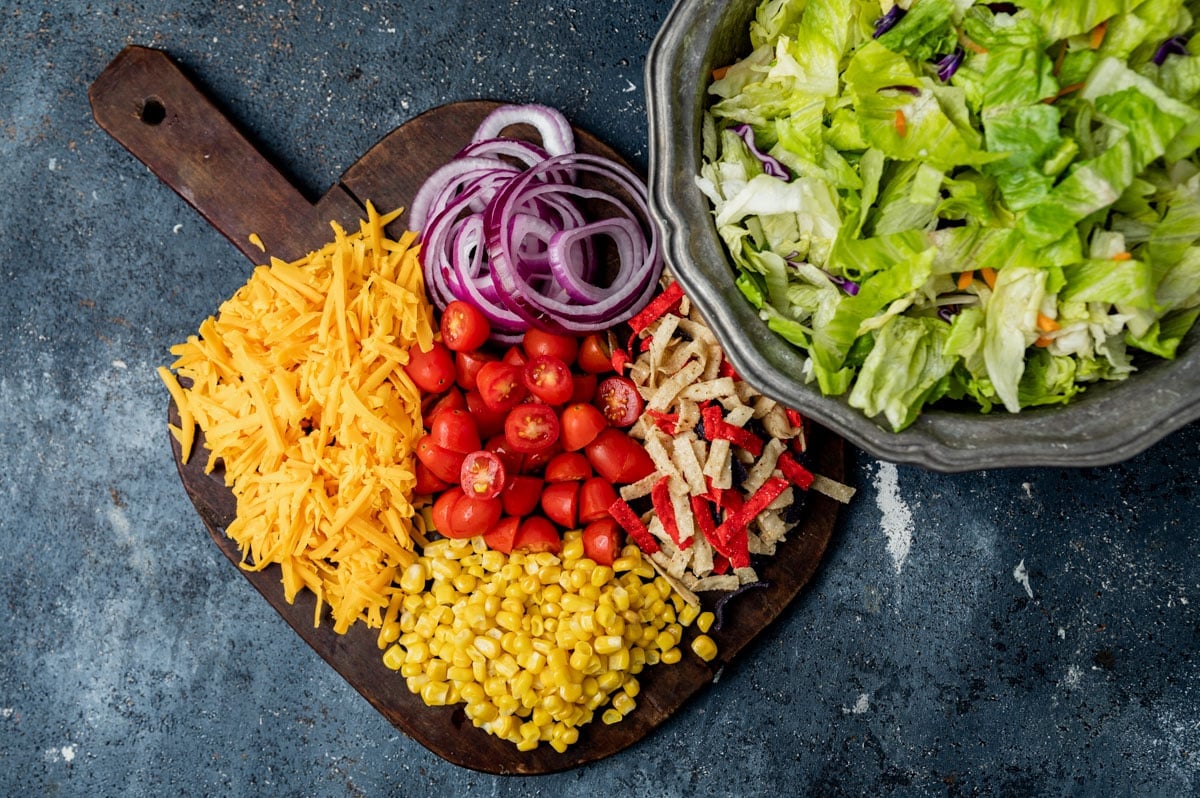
<point>145,102</point>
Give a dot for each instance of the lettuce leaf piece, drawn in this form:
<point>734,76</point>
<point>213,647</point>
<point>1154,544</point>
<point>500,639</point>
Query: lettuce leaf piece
<point>1048,379</point>
<point>925,31</point>
<point>1129,282</point>
<point>1009,328</point>
<point>906,368</point>
<point>1164,335</point>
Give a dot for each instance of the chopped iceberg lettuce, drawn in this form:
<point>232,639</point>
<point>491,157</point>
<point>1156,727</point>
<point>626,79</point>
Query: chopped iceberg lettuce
<point>995,203</point>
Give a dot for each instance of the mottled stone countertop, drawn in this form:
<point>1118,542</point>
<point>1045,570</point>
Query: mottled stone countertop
<point>1012,632</point>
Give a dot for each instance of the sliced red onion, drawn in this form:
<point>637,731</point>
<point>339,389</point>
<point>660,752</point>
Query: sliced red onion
<point>771,165</point>
<point>551,125</point>
<point>524,152</point>
<point>635,281</point>
<point>913,90</point>
<point>1176,45</point>
<point>447,181</point>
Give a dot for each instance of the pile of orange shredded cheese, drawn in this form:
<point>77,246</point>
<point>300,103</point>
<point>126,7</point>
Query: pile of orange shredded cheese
<point>299,387</point>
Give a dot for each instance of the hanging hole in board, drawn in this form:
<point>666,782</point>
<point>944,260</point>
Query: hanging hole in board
<point>152,112</point>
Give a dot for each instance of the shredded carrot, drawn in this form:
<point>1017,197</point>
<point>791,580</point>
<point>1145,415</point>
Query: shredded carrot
<point>1098,32</point>
<point>1123,256</point>
<point>1047,324</point>
<point>720,72</point>
<point>1058,60</point>
<point>973,46</point>
<point>1043,342</point>
<point>1063,92</point>
<point>965,279</point>
<point>901,123</point>
<point>989,276</point>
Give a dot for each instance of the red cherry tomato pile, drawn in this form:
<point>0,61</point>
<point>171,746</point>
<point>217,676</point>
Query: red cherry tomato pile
<point>525,443</point>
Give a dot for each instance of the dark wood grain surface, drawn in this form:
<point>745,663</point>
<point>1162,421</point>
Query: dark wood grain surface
<point>145,102</point>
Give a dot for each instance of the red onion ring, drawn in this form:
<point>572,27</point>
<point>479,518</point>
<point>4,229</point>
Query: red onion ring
<point>503,226</point>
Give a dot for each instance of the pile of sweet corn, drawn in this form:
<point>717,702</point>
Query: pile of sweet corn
<point>535,644</point>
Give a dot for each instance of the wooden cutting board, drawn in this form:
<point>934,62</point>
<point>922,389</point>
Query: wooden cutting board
<point>146,103</point>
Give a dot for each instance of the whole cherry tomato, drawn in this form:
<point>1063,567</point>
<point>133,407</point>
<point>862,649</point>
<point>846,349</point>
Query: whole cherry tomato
<point>463,327</point>
<point>432,371</point>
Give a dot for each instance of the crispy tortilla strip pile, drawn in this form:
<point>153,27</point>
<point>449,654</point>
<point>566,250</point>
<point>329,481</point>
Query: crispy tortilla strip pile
<point>696,423</point>
<point>299,387</point>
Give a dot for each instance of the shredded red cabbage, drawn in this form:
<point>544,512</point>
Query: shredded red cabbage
<point>947,65</point>
<point>771,165</point>
<point>1176,45</point>
<point>888,20</point>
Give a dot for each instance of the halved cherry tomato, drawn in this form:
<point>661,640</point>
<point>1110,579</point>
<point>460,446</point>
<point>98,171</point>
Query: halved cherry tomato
<point>432,371</point>
<point>594,354</point>
<point>490,422</point>
<point>581,423</point>
<point>596,495</point>
<point>463,327</point>
<point>466,368</point>
<point>500,537</point>
<point>585,387</point>
<point>560,503</point>
<point>470,516</point>
<point>455,430</point>
<point>483,475</point>
<point>531,427</point>
<point>538,342</point>
<point>427,484</point>
<point>549,379</point>
<point>618,457</point>
<point>568,467</point>
<point>443,463</point>
<point>432,404</point>
<point>515,356</point>
<point>602,541</point>
<point>500,385</point>
<point>537,534</point>
<point>521,495</point>
<point>619,400</point>
<point>442,508</point>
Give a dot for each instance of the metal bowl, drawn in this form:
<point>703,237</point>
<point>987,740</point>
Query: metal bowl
<point>1105,424</point>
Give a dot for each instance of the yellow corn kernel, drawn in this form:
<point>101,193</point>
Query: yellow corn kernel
<point>619,660</point>
<point>412,581</point>
<point>632,687</point>
<point>623,702</point>
<point>425,627</point>
<point>412,669</point>
<point>479,671</point>
<point>704,647</point>
<point>437,670</point>
<point>688,614</point>
<point>532,661</point>
<point>624,563</point>
<point>434,693</point>
<point>464,583</point>
<point>608,681</point>
<point>671,655</point>
<point>528,744</point>
<point>506,666</point>
<point>482,711</point>
<point>487,646</point>
<point>601,575</point>
<point>522,683</point>
<point>444,593</point>
<point>571,691</point>
<point>507,704</point>
<point>492,560</point>
<point>415,683</point>
<point>393,658</point>
<point>664,640</point>
<point>508,620</point>
<point>459,674</point>
<point>444,569</point>
<point>608,644</point>
<point>472,692</point>
<point>611,716</point>
<point>572,549</point>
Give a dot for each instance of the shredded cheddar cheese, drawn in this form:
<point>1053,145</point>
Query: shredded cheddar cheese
<point>298,385</point>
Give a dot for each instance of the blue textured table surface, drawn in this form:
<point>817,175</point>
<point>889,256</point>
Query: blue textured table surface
<point>1006,632</point>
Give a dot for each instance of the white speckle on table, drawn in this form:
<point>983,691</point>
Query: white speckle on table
<point>64,754</point>
<point>897,520</point>
<point>120,364</point>
<point>176,229</point>
<point>1062,633</point>
<point>6,712</point>
<point>1022,576</point>
<point>861,705</point>
<point>53,164</point>
<point>1072,678</point>
<point>1028,490</point>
